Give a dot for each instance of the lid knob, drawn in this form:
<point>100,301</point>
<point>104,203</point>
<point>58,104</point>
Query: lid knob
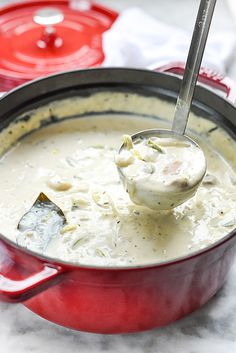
<point>48,17</point>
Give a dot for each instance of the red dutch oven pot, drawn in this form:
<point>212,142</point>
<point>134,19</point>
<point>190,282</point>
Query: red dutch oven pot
<point>116,300</point>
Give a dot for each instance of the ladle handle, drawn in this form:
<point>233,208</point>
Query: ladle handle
<point>194,60</point>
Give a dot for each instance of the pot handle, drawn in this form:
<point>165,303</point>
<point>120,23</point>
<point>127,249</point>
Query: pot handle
<point>15,291</point>
<point>206,76</point>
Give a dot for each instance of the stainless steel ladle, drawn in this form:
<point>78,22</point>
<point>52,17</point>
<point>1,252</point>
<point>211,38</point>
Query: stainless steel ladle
<point>184,101</point>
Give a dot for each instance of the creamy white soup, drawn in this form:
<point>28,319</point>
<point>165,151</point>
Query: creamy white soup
<point>72,163</point>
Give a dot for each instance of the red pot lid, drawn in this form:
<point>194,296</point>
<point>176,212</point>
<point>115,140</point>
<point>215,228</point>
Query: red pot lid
<point>38,38</point>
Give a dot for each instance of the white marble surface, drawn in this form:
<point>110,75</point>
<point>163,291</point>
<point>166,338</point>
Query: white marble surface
<point>210,329</point>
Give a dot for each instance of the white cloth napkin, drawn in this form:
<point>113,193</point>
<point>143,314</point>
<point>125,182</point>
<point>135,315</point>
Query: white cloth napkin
<point>138,40</point>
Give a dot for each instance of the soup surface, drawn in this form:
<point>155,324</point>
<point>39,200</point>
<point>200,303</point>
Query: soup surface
<point>72,162</point>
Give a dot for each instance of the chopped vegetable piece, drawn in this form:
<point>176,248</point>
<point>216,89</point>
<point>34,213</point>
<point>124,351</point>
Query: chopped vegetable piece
<point>68,228</point>
<point>78,242</point>
<point>44,220</point>
<point>127,141</point>
<point>100,253</point>
<point>138,155</point>
<point>101,199</point>
<point>154,145</point>
<point>79,202</point>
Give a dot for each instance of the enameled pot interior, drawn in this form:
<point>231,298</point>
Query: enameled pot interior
<point>99,91</point>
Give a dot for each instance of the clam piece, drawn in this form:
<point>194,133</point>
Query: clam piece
<point>57,183</point>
